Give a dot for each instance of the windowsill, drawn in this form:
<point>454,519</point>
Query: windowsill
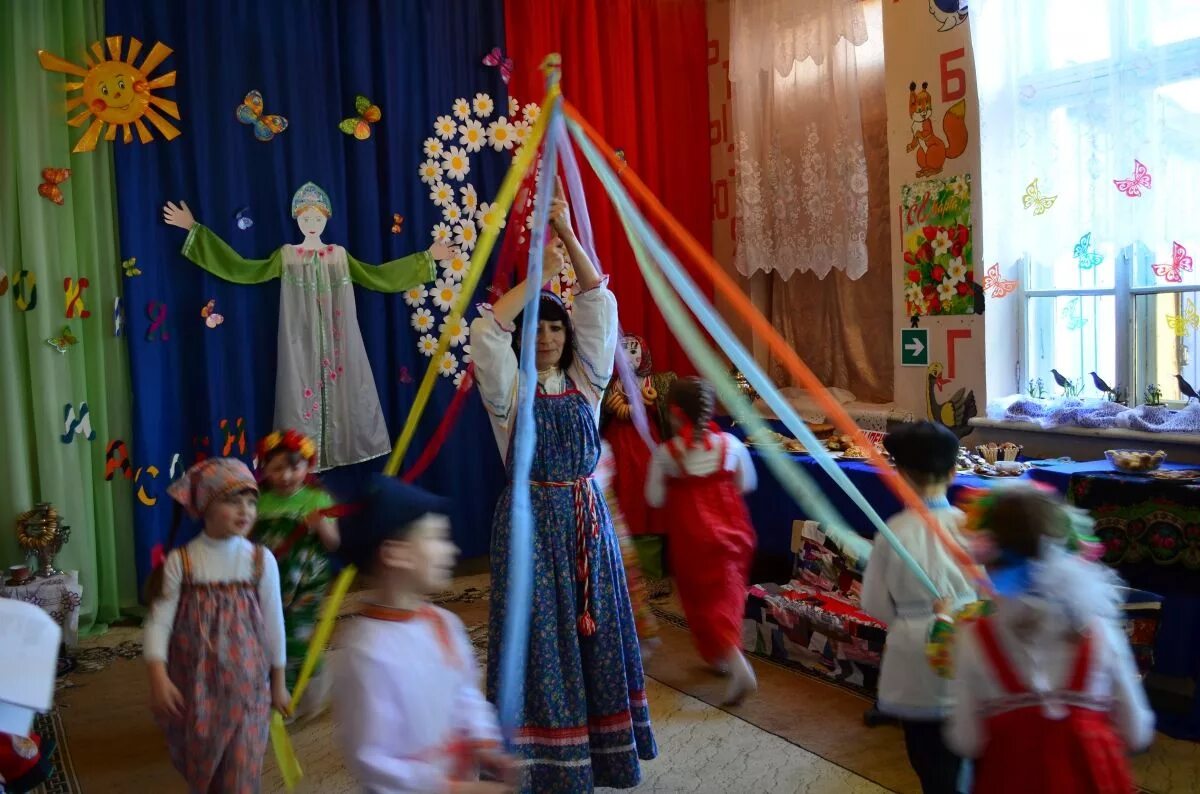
<point>1186,439</point>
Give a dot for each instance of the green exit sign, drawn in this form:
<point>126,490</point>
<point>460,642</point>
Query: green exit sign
<point>914,347</point>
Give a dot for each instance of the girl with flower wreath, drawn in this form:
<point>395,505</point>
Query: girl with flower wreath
<point>296,526</point>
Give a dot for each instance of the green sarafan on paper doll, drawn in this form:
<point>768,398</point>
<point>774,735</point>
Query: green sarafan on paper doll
<point>323,384</point>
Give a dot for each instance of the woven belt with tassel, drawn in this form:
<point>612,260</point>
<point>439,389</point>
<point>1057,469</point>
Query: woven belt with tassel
<point>586,515</point>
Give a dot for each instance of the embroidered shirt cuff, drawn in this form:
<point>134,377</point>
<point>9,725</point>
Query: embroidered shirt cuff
<point>603,283</point>
<point>486,310</point>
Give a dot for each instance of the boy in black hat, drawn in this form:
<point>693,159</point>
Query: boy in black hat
<point>407,702</point>
<point>925,454</point>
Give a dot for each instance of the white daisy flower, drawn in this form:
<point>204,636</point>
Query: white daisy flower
<point>490,216</point>
<point>466,354</point>
<point>556,286</point>
<point>427,345</point>
<point>433,147</point>
<point>448,365</point>
<point>456,266</point>
<point>471,135</point>
<point>500,134</point>
<point>455,329</point>
<point>441,194</point>
<point>531,112</point>
<point>458,378</point>
<point>941,242</point>
<point>470,199</point>
<point>913,295</point>
<point>483,105</point>
<point>456,162</point>
<point>440,233</point>
<point>445,127</point>
<point>416,296</point>
<point>957,271</point>
<point>513,106</point>
<point>422,320</point>
<point>431,172</point>
<point>521,131</point>
<point>445,292</point>
<point>451,213</point>
<point>569,272</point>
<point>465,235</point>
<point>568,297</point>
<point>462,109</point>
<point>946,291</point>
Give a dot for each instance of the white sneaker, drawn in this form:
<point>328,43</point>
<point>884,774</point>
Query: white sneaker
<point>742,681</point>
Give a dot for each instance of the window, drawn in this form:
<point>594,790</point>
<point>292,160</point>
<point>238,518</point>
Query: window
<point>1072,94</point>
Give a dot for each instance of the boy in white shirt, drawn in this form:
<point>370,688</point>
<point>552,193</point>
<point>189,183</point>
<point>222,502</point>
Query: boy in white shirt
<point>925,454</point>
<point>410,715</point>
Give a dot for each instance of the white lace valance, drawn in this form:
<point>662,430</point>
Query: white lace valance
<point>776,34</point>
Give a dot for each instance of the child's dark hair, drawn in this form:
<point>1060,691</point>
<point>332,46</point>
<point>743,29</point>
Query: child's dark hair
<point>386,510</point>
<point>551,310</point>
<point>926,452</point>
<point>294,456</point>
<point>695,398</point>
<point>1019,517</point>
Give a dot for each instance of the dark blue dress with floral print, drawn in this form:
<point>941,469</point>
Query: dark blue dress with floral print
<point>585,722</point>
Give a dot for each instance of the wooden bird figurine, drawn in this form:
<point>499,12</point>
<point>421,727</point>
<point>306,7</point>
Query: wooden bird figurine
<point>1186,389</point>
<point>1103,387</point>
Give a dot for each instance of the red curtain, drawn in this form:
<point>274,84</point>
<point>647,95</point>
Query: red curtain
<point>637,70</point>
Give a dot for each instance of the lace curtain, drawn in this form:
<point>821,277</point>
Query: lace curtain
<point>802,203</point>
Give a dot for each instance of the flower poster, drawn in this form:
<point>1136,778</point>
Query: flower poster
<point>939,273</point>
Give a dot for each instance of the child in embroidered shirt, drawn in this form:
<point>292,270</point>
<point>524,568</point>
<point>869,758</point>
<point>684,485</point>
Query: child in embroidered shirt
<point>409,712</point>
<point>214,639</point>
<point>925,454</point>
<point>295,525</point>
<point>1046,689</point>
<point>700,475</point>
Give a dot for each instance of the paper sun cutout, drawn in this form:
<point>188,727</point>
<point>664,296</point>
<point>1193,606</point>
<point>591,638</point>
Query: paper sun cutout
<point>117,93</point>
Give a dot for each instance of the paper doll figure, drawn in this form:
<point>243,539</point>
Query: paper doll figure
<point>323,383</point>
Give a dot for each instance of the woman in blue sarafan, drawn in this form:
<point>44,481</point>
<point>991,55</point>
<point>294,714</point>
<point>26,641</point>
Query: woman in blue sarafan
<point>585,721</point>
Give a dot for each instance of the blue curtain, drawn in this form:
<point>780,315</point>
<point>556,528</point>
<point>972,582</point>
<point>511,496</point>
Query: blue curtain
<point>308,59</point>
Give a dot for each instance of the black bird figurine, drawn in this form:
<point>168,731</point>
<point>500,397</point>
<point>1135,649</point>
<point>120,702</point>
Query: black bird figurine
<point>1100,384</point>
<point>1062,380</point>
<point>1186,389</point>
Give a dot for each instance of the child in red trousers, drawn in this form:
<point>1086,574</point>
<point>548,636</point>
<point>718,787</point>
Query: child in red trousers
<point>700,475</point>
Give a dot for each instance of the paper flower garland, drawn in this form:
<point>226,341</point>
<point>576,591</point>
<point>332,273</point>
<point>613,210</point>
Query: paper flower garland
<point>468,129</point>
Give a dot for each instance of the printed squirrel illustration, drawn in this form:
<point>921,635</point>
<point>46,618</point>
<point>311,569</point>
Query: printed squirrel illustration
<point>932,151</point>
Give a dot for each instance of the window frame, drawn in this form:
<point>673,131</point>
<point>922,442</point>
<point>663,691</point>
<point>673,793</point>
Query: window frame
<point>1059,88</point>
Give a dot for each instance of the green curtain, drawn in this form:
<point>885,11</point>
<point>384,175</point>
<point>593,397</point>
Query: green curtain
<point>76,240</point>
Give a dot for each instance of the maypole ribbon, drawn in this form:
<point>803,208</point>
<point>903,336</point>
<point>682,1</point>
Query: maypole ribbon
<point>787,356</point>
<point>511,682</point>
<point>795,480</point>
<point>583,224</point>
<point>847,538</point>
<point>285,755</point>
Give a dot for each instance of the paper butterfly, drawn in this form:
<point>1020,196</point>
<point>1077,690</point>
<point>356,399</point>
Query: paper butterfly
<point>130,267</point>
<point>209,313</point>
<point>999,286</point>
<point>1086,257</point>
<point>1132,187</point>
<point>1180,261</point>
<point>52,178</point>
<point>404,376</point>
<point>265,127</point>
<point>62,342</point>
<point>243,219</point>
<point>1033,198</point>
<point>368,114</point>
<point>1073,314</point>
<point>1179,324</point>
<point>501,61</point>
<point>397,223</point>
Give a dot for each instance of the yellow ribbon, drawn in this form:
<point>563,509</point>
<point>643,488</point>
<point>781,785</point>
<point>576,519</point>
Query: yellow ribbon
<point>285,754</point>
